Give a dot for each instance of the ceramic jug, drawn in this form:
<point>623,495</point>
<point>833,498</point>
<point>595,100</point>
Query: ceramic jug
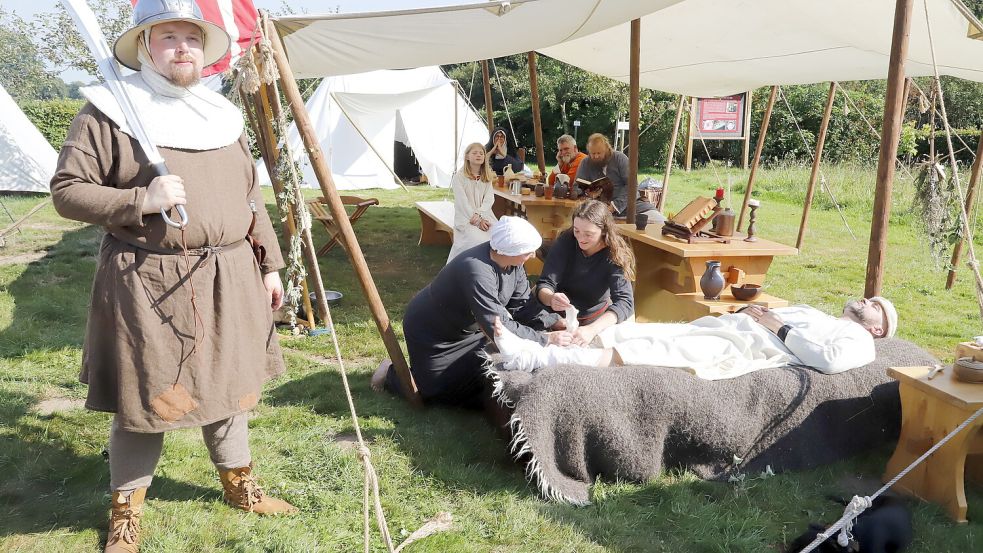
<point>712,281</point>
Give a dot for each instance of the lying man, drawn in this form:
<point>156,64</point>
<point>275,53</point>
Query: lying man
<point>728,346</point>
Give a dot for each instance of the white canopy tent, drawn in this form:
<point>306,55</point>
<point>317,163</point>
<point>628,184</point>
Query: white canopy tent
<point>27,161</point>
<point>693,47</point>
<point>358,117</point>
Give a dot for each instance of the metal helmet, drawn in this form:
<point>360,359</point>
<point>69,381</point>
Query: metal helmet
<point>148,13</point>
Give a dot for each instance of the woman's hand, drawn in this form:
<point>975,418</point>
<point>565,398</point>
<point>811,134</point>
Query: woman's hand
<point>559,338</point>
<point>484,225</point>
<point>274,290</point>
<point>584,335</point>
<point>475,219</point>
<point>164,193</point>
<point>559,302</point>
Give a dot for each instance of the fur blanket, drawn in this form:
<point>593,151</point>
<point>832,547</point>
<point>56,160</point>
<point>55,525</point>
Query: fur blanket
<point>573,423</point>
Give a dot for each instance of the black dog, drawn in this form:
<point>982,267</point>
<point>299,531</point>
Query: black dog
<point>884,528</point>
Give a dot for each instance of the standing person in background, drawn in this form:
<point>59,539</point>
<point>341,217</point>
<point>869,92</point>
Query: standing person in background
<point>500,156</point>
<point>606,161</point>
<point>568,159</point>
<point>473,199</point>
<point>174,339</point>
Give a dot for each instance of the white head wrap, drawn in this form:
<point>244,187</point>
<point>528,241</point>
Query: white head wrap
<point>890,315</point>
<point>514,236</point>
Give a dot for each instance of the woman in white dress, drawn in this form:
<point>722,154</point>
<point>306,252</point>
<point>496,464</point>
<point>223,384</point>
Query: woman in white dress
<point>473,199</point>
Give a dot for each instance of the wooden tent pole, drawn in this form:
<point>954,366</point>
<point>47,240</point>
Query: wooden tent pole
<point>337,208</point>
<point>486,79</point>
<point>269,155</point>
<point>457,136</point>
<point>762,134</point>
<point>688,161</point>
<point>537,121</point>
<point>633,117</point>
<point>974,179</point>
<point>672,152</point>
<point>816,162</point>
<point>890,136</point>
<point>745,152</point>
<point>270,110</point>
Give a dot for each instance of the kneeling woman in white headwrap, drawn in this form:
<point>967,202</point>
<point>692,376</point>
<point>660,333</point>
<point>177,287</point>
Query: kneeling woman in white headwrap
<point>449,323</point>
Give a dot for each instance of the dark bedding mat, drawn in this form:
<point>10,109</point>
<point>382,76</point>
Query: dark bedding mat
<point>574,423</point>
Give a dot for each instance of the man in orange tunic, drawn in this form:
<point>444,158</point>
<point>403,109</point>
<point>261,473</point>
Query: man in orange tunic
<point>568,159</point>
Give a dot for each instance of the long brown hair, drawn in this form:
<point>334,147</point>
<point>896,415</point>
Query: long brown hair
<point>486,173</point>
<point>619,251</point>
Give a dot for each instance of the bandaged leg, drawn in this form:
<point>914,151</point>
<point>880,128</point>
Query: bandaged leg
<point>519,354</point>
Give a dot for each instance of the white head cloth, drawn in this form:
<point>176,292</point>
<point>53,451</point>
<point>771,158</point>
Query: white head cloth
<point>890,315</point>
<point>514,236</point>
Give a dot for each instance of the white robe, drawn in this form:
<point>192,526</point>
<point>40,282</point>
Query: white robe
<point>728,346</point>
<point>470,197</point>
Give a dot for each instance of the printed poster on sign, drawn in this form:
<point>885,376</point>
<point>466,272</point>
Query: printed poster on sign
<point>720,118</point>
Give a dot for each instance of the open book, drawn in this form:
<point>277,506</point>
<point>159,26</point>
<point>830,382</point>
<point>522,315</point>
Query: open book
<point>600,189</point>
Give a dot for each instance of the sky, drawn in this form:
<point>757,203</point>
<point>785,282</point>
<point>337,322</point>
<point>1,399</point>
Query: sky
<point>27,9</point>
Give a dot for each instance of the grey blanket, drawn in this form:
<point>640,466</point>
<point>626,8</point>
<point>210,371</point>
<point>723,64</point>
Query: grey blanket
<point>572,423</point>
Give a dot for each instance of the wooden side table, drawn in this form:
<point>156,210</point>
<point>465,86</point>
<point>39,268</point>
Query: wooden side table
<point>930,409</point>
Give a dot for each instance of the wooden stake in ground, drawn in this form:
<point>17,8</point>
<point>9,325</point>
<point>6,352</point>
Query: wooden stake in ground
<point>537,122</point>
<point>762,134</point>
<point>672,152</point>
<point>890,136</point>
<point>486,79</point>
<point>817,160</point>
<point>633,116</point>
<point>337,208</point>
<point>974,179</point>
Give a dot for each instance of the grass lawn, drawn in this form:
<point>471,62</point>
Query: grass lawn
<point>54,479</point>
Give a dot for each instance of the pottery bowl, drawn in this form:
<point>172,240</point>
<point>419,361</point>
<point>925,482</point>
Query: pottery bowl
<point>967,372</point>
<point>745,292</point>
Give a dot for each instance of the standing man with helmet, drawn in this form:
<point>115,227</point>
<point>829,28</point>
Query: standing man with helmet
<point>180,332</point>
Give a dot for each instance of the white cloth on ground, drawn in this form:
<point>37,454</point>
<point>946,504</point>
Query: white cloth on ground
<point>470,197</point>
<point>731,345</point>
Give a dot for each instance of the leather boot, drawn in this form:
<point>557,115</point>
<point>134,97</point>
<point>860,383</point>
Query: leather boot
<point>124,522</point>
<point>243,492</point>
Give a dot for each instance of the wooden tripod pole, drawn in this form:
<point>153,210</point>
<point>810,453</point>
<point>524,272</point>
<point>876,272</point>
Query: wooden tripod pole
<point>633,117</point>
<point>890,136</point>
<point>486,79</point>
<point>974,179</point>
<point>537,122</point>
<point>690,126</point>
<point>820,142</point>
<point>337,208</point>
<point>762,134</point>
<point>672,152</point>
<point>746,146</point>
<point>269,154</point>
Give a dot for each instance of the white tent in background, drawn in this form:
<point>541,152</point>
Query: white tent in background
<point>27,161</point>
<point>359,117</point>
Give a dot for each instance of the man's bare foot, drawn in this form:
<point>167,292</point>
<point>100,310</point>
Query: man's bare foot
<point>379,377</point>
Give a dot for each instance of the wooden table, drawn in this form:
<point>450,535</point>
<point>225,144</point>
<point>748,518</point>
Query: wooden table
<point>550,217</point>
<point>930,409</point>
<point>668,271</point>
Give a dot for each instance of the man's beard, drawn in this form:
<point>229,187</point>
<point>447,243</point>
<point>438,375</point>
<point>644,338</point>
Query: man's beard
<point>566,159</point>
<point>185,76</point>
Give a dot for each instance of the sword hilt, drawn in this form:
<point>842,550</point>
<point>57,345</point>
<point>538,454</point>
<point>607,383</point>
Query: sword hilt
<point>162,170</point>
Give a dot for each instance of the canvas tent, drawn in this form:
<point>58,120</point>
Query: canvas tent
<point>693,47</point>
<point>27,161</point>
<point>358,117</point>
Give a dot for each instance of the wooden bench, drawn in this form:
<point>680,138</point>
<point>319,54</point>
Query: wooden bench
<point>320,212</point>
<point>436,223</point>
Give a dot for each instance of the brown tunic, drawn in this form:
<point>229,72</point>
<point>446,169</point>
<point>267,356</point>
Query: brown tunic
<point>137,358</point>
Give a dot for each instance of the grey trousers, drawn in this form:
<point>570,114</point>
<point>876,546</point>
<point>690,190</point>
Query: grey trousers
<point>133,456</point>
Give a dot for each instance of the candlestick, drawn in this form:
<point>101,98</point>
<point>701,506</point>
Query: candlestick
<point>753,204</point>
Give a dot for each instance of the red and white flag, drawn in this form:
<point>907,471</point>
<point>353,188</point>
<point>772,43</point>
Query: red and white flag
<point>238,18</point>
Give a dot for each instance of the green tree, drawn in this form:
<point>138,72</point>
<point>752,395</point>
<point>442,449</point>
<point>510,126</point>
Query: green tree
<point>60,43</point>
<point>22,72</point>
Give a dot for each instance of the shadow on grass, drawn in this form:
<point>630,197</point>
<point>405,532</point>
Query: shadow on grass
<point>52,473</point>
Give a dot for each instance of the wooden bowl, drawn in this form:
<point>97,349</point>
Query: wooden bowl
<point>967,373</point>
<point>745,292</point>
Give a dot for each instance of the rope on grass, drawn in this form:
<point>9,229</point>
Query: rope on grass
<point>859,504</point>
<point>812,156</point>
